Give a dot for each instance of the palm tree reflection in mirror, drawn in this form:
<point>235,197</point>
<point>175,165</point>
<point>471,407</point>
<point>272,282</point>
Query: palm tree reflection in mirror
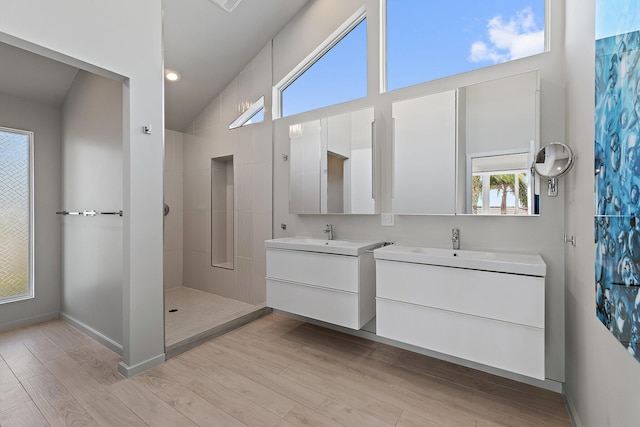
<point>500,186</point>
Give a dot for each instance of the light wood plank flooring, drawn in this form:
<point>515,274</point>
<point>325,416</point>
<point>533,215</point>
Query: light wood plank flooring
<point>274,371</point>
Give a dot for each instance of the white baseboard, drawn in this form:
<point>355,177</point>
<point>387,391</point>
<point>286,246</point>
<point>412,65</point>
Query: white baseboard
<point>573,414</point>
<point>129,371</point>
<point>29,321</point>
<point>102,339</point>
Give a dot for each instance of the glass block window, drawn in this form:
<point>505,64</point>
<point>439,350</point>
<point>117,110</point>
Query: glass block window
<point>16,207</point>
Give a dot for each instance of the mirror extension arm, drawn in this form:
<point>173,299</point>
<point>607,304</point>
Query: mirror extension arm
<point>552,162</point>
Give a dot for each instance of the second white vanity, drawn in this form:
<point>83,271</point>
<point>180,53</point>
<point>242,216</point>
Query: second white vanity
<point>485,307</point>
<point>328,280</point>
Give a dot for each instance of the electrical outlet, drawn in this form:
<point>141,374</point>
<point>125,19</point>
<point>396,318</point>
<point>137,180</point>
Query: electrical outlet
<point>388,220</point>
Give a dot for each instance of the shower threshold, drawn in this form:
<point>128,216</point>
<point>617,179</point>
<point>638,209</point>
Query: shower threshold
<point>193,317</point>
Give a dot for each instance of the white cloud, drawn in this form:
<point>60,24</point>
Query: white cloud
<point>516,38</point>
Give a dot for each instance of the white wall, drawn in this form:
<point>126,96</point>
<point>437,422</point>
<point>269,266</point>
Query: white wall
<point>542,234</point>
<point>602,379</point>
<point>117,38</point>
<point>92,179</point>
<point>173,229</point>
<point>44,122</point>
<point>501,115</point>
<point>208,137</point>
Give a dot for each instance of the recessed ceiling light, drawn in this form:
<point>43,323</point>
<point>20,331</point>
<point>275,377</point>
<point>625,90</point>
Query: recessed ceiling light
<point>227,5</point>
<point>172,76</point>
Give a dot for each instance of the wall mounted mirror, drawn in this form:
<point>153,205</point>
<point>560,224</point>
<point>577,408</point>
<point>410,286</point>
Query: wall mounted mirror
<point>553,161</point>
<point>331,165</point>
<point>483,137</point>
<point>498,130</point>
<point>424,153</point>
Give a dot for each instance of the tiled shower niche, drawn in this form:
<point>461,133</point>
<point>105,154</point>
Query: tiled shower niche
<point>222,212</point>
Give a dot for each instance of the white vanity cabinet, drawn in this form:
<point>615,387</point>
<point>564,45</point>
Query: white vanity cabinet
<point>307,279</point>
<point>495,318</point>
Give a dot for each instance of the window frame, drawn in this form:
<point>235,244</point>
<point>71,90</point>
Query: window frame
<point>244,119</point>
<point>336,37</point>
<point>508,170</point>
<point>31,267</point>
<point>486,190</point>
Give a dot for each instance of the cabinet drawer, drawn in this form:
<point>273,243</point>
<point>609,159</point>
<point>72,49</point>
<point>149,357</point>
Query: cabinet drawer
<point>326,270</point>
<point>503,345</point>
<point>508,297</point>
<point>337,307</point>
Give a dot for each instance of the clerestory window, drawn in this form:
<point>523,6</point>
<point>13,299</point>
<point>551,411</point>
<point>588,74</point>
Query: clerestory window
<point>336,72</point>
<point>254,113</point>
<point>428,40</point>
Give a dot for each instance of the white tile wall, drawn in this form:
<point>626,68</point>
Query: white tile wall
<point>262,187</point>
<point>261,146</point>
<point>207,137</point>
<point>197,189</point>
<point>213,114</point>
<point>219,230</point>
<point>228,105</point>
<point>173,225</point>
<point>197,154</point>
<point>245,279</point>
<point>243,138</point>
<point>244,90</point>
<point>245,234</point>
<point>244,182</point>
<point>197,229</point>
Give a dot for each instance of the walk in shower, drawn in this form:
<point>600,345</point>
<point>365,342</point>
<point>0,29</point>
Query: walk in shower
<point>213,251</point>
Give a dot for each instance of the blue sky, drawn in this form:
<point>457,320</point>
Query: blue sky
<point>616,17</point>
<point>427,39</point>
<point>339,76</point>
<point>496,30</point>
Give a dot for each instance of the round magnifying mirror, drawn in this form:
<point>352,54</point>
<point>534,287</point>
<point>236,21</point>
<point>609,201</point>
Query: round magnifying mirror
<point>553,160</point>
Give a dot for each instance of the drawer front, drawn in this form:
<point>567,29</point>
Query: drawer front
<point>339,308</point>
<point>507,297</point>
<point>503,345</point>
<point>325,270</point>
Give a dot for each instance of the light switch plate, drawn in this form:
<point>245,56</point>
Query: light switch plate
<point>388,220</point>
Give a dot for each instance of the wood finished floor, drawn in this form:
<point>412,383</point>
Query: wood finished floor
<point>274,371</point>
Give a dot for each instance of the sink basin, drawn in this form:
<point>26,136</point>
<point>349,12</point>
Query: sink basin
<point>530,264</point>
<point>309,244</point>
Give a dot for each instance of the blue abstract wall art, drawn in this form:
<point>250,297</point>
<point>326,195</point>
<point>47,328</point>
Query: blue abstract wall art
<point>617,187</point>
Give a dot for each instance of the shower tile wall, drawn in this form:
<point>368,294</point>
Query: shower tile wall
<point>173,227</point>
<point>251,146</point>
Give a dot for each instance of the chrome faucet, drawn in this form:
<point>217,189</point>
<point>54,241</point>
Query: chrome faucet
<point>329,229</point>
<point>455,238</point>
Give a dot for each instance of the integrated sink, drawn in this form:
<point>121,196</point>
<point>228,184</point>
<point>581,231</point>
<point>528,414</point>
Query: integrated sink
<point>309,244</point>
<point>530,264</point>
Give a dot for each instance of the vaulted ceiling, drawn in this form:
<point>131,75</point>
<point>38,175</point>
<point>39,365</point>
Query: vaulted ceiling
<point>209,47</point>
<point>205,44</point>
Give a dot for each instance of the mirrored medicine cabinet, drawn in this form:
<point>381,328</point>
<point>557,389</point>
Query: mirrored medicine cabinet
<point>331,165</point>
<point>466,151</point>
<point>423,155</point>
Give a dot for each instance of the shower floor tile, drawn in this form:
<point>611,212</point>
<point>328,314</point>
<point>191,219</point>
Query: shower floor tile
<point>197,313</point>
